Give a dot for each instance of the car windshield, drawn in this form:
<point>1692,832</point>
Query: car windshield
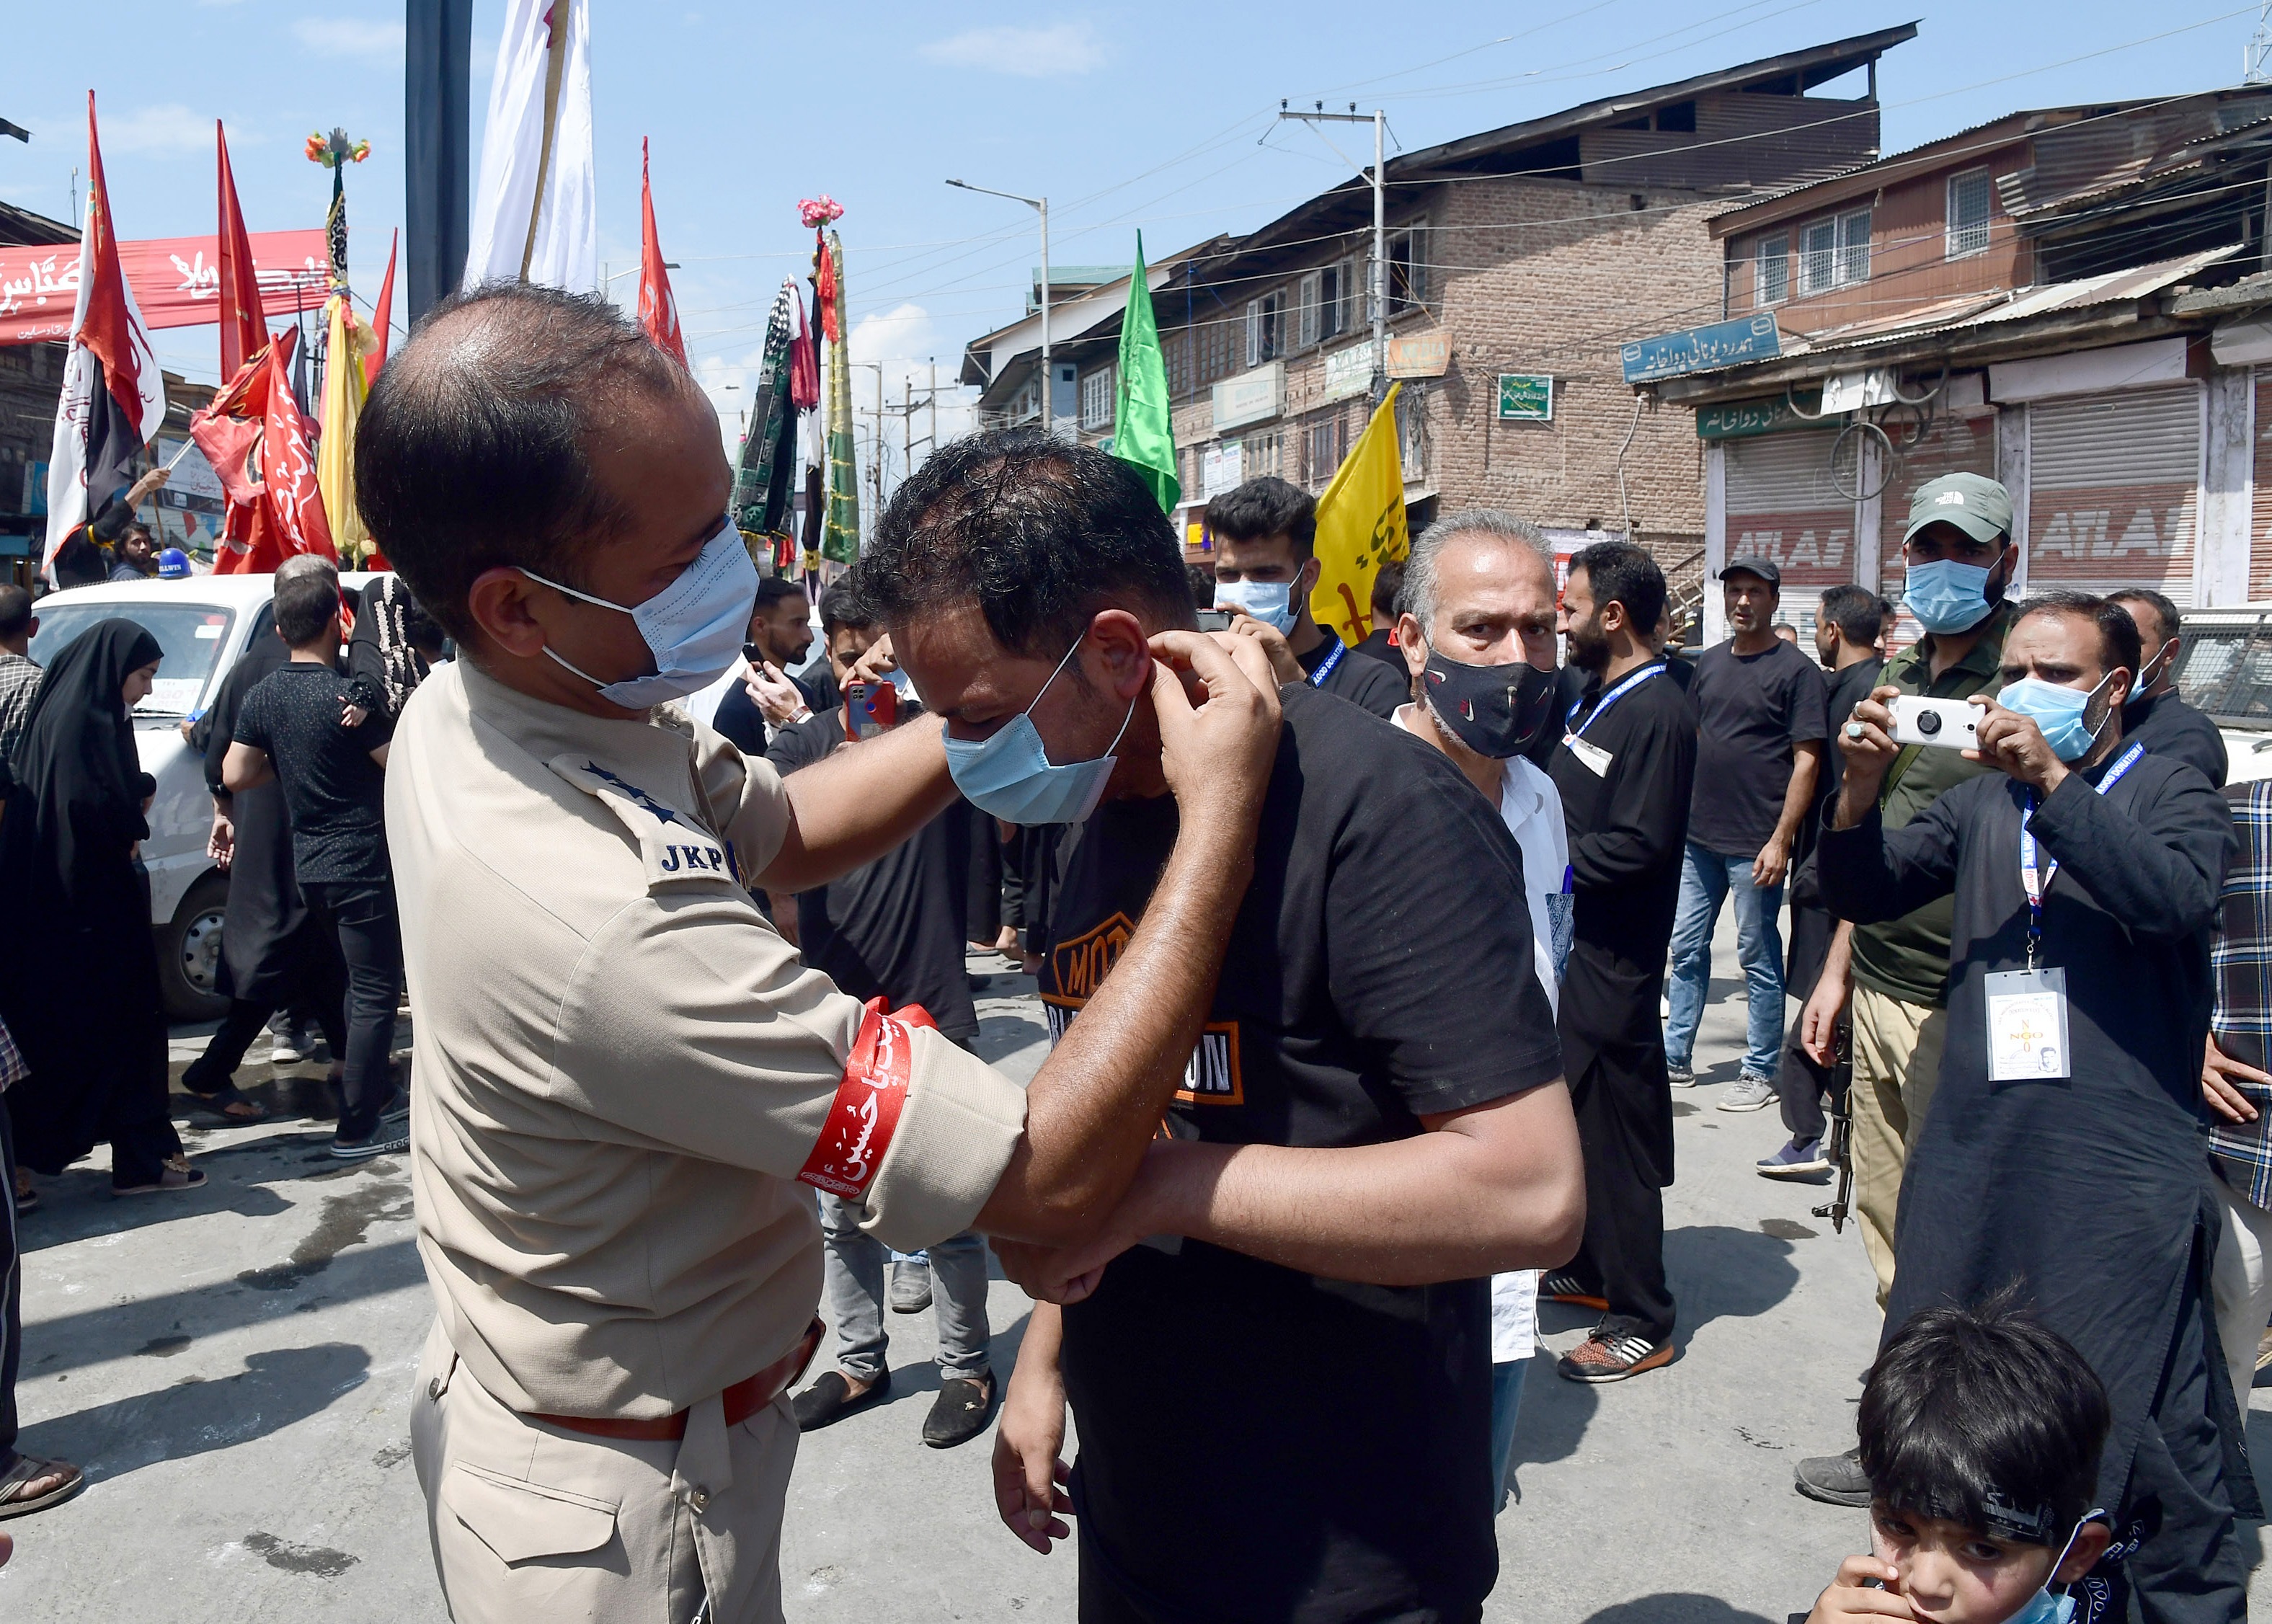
<point>191,634</point>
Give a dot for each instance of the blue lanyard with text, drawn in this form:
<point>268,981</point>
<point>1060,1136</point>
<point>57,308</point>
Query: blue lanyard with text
<point>2036,881</point>
<point>1325,666</point>
<point>1611,697</point>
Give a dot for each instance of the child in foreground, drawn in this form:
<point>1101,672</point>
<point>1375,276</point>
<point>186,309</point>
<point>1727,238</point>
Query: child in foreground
<point>1980,1435</point>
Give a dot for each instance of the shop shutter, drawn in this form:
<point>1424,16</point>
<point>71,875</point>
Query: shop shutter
<point>1783,506</point>
<point>2114,492</point>
<point>2259,519</point>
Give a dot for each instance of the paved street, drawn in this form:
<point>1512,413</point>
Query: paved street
<point>233,1368</point>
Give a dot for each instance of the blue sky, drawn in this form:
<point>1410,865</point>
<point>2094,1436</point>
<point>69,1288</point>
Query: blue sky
<point>1126,118</point>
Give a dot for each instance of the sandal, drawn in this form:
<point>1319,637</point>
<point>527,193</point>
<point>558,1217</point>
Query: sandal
<point>177,1174</point>
<point>231,1104</point>
<point>27,1199</point>
<point>30,1469</point>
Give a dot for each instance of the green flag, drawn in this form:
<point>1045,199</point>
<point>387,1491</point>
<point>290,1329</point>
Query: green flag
<point>1143,437</point>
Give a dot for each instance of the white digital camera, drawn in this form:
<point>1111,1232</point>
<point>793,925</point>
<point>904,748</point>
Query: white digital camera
<point>1937,724</point>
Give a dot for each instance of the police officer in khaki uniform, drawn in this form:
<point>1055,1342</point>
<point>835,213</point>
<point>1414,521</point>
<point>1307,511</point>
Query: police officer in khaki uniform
<point>622,1071</point>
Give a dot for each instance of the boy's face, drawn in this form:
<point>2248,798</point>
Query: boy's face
<point>1956,1574</point>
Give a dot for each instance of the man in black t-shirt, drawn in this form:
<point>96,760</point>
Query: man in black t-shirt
<point>1381,642</point>
<point>302,726</point>
<point>1266,567</point>
<point>1760,732</point>
<point>2156,716</point>
<point>1373,1118</point>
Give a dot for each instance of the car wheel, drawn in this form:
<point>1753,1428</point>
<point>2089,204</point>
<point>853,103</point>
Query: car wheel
<point>188,954</point>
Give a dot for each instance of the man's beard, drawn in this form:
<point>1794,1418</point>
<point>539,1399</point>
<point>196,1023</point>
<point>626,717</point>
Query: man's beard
<point>1590,650</point>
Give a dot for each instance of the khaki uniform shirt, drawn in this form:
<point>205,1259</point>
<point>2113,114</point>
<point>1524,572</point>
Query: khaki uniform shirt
<point>621,1066</point>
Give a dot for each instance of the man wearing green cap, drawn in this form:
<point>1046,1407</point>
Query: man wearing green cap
<point>1958,549</point>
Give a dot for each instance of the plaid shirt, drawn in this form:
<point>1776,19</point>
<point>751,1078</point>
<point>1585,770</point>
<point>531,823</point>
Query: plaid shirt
<point>12,1068</point>
<point>2240,959</point>
<point>19,680</point>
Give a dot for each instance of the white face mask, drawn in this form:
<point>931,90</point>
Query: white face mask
<point>694,627</point>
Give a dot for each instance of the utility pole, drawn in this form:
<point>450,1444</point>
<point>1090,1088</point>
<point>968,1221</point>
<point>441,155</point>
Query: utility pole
<point>1049,382</point>
<point>1377,276</point>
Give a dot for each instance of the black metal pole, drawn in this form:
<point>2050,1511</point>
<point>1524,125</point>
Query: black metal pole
<point>438,156</point>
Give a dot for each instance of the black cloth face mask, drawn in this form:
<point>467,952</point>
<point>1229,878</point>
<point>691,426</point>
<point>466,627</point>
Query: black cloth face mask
<point>1495,710</point>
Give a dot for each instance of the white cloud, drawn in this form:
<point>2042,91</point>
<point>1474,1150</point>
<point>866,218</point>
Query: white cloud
<point>166,128</point>
<point>348,36</point>
<point>1053,52</point>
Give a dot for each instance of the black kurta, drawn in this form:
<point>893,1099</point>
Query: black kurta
<point>2085,1190</point>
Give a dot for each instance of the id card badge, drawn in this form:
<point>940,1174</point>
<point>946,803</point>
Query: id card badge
<point>2026,1025</point>
<point>1596,758</point>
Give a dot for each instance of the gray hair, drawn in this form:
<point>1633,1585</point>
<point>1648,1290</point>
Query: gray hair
<point>305,564</point>
<point>1418,597</point>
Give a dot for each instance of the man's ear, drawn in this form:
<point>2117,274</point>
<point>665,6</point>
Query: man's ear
<point>500,603</point>
<point>1306,578</point>
<point>1120,651</point>
<point>1412,643</point>
<point>2091,1542</point>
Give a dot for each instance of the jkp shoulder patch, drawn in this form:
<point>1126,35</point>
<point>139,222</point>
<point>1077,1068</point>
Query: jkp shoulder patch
<point>674,848</point>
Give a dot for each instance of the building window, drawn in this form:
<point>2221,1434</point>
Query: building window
<point>1412,430</point>
<point>1771,274</point>
<point>1968,213</point>
<point>1407,269</point>
<point>1324,442</point>
<point>1266,328</point>
<point>1262,455</point>
<point>1834,253</point>
<point>1324,305</point>
<point>1096,397</point>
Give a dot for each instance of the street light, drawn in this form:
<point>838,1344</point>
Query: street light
<point>606,276</point>
<point>1048,383</point>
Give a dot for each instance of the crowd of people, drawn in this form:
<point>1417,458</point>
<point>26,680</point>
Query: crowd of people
<point>1371,973</point>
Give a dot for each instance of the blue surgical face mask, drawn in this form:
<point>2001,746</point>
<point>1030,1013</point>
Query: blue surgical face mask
<point>2043,1607</point>
<point>694,626</point>
<point>1008,775</point>
<point>1270,602</point>
<point>1945,595</point>
<point>2059,710</point>
<point>2152,673</point>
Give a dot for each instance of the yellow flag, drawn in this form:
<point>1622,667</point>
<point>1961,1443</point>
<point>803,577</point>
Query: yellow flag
<point>339,410</point>
<point>1360,527</point>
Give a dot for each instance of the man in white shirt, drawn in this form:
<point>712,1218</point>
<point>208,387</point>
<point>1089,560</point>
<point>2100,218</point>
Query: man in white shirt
<point>1476,626</point>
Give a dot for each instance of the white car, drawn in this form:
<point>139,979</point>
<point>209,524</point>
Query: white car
<point>2226,670</point>
<point>204,624</point>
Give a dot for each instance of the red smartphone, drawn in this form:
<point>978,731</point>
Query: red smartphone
<point>872,707</point>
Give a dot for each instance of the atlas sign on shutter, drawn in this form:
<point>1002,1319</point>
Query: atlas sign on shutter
<point>2114,492</point>
<point>1783,506</point>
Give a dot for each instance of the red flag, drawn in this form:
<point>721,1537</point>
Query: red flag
<point>381,313</point>
<point>243,323</point>
<point>658,311</point>
<point>259,447</point>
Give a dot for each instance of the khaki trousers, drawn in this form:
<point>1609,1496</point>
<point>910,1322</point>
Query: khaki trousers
<point>2240,1284</point>
<point>1896,1063</point>
<point>533,1522</point>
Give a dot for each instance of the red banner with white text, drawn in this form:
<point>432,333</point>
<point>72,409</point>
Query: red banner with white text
<point>177,281</point>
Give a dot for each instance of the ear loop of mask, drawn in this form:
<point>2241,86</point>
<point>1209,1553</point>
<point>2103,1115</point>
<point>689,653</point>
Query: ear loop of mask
<point>1028,712</point>
<point>2066,1550</point>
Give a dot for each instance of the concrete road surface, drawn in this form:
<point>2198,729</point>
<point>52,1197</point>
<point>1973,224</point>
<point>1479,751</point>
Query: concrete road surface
<point>233,1368</point>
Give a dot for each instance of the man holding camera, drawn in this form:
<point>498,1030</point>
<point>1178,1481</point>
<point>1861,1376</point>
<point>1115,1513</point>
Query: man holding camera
<point>2063,1150</point>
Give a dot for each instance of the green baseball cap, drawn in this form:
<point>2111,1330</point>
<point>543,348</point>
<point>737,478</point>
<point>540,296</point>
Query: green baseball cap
<point>1974,504</point>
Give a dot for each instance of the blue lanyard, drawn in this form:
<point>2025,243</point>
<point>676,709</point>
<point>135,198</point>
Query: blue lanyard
<point>2036,881</point>
<point>1611,697</point>
<point>1325,666</point>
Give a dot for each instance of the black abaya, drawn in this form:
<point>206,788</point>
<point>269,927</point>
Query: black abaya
<point>80,992</point>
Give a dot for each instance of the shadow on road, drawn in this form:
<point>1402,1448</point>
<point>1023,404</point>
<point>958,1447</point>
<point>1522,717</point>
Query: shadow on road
<point>1716,1271</point>
<point>1553,1418</point>
<point>1674,1608</point>
<point>275,1389</point>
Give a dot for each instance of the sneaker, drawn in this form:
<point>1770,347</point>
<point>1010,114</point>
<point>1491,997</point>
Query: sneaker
<point>964,1405</point>
<point>386,1140</point>
<point>831,1399</point>
<point>910,1290</point>
<point>290,1048</point>
<point>1751,1093</point>
<point>1794,1161</point>
<point>1598,1358</point>
<point>1833,1479</point>
<point>1560,1286</point>
<point>1679,1076</point>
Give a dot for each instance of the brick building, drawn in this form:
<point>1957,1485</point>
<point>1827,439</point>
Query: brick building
<point>1517,259</point>
<point>31,381</point>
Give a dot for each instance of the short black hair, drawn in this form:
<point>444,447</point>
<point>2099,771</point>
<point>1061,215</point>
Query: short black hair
<point>1202,583</point>
<point>304,605</point>
<point>1858,613</point>
<point>1620,573</point>
<point>2165,613</point>
<point>773,588</point>
<point>1039,533</point>
<point>1388,581</point>
<point>470,452</point>
<point>2118,642</point>
<point>15,611</point>
<point>842,605</point>
<point>1984,1416</point>
<point>1264,507</point>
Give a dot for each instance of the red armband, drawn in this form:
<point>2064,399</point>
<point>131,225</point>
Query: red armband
<point>866,1110</point>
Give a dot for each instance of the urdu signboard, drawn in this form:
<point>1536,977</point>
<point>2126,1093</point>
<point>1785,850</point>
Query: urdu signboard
<point>1526,396</point>
<point>1251,397</point>
<point>1701,349</point>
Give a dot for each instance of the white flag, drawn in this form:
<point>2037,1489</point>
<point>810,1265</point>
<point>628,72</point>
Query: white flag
<point>534,211</point>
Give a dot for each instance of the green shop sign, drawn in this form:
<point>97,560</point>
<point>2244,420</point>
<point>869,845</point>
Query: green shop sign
<point>1735,419</point>
<point>1527,397</point>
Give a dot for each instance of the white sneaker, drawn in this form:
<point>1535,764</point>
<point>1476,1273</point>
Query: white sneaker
<point>1752,1092</point>
<point>290,1048</point>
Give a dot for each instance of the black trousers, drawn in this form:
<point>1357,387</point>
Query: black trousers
<point>1799,1086</point>
<point>371,940</point>
<point>1623,1252</point>
<point>318,994</point>
<point>12,1299</point>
